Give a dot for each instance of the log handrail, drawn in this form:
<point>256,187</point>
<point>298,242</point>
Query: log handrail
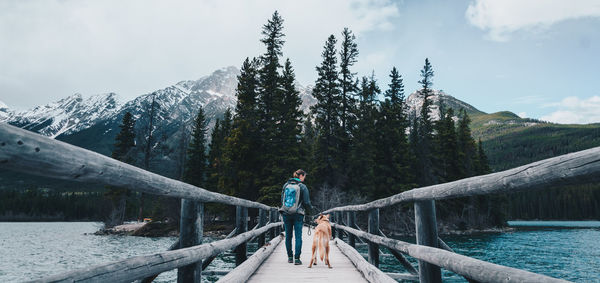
<point>143,266</point>
<point>31,153</point>
<point>479,270</point>
<point>582,167</point>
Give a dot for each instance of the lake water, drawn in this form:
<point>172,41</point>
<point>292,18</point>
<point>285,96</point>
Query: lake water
<point>36,250</point>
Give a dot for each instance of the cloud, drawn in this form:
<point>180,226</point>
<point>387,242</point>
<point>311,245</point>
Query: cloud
<point>522,114</point>
<point>500,18</point>
<point>573,110</point>
<point>53,48</point>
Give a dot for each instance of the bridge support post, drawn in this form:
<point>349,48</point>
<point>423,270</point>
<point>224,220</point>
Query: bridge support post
<point>351,221</point>
<point>333,219</point>
<point>262,221</point>
<point>426,228</point>
<point>272,218</point>
<point>241,223</point>
<point>339,217</point>
<point>191,230</point>
<point>374,229</point>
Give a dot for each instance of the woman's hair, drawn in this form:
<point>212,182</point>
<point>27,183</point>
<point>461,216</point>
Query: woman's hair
<point>299,173</point>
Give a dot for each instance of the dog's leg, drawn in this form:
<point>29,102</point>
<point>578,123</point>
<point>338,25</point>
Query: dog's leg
<point>327,254</point>
<point>314,252</point>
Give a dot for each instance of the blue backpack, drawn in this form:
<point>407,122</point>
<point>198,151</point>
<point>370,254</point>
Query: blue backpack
<point>291,198</point>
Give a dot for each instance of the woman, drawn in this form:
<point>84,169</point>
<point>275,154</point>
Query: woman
<point>295,200</point>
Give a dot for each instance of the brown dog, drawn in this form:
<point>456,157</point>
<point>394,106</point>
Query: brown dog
<point>321,240</point>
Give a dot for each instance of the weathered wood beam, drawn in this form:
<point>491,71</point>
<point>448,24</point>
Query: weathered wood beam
<point>191,230</point>
<point>241,224</point>
<point>130,269</point>
<point>426,230</point>
<point>31,153</point>
<point>373,229</point>
<point>351,221</point>
<point>207,261</point>
<point>370,272</point>
<point>262,221</point>
<point>272,219</point>
<point>215,272</point>
<point>403,276</point>
<point>582,167</point>
<point>473,268</point>
<point>407,265</point>
<point>173,246</point>
<point>246,269</point>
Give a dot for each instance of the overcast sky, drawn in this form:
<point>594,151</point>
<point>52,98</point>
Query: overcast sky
<point>537,58</point>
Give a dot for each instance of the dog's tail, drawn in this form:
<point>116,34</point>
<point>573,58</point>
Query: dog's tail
<point>322,244</point>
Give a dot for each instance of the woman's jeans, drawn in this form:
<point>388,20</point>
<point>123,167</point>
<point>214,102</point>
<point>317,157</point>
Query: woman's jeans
<point>293,222</point>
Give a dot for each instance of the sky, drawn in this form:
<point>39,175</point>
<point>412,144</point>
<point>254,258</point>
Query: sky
<point>536,58</point>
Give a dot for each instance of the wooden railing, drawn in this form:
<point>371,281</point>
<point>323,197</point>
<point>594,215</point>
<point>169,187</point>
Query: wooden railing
<point>30,153</point>
<point>581,167</point>
<point>27,152</point>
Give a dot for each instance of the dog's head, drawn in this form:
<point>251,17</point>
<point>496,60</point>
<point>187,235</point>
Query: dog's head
<point>322,217</point>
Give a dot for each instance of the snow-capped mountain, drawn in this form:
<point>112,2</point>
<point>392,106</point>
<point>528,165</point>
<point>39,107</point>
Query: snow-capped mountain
<point>66,116</point>
<point>3,111</point>
<point>177,104</point>
<point>414,102</point>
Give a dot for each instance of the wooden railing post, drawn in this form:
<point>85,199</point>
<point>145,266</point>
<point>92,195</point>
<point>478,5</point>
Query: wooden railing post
<point>262,221</point>
<point>332,219</point>
<point>339,217</point>
<point>190,234</point>
<point>272,218</point>
<point>426,228</point>
<point>241,224</point>
<point>374,229</point>
<point>351,223</point>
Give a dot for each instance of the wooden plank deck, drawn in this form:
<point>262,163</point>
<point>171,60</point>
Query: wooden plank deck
<point>277,269</point>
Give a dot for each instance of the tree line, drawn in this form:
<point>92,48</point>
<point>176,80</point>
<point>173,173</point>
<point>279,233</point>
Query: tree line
<point>351,141</point>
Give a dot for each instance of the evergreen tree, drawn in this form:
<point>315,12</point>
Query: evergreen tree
<point>125,139</point>
<point>393,155</point>
<point>221,131</point>
<point>196,169</point>
<point>446,147</point>
<point>307,147</point>
<point>483,166</point>
<point>424,154</point>
<point>124,143</point>
<point>348,87</point>
<point>327,118</point>
<point>270,91</point>
<point>467,152</point>
<point>363,152</point>
<point>287,135</point>
<point>242,146</point>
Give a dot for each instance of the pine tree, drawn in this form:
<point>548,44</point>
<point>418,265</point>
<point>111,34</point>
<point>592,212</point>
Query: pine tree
<point>348,87</point>
<point>424,154</point>
<point>446,147</point>
<point>221,131</point>
<point>307,148</point>
<point>270,90</point>
<point>124,143</point>
<point>467,152</point>
<point>288,131</point>
<point>483,166</point>
<point>327,118</point>
<point>393,155</point>
<point>242,146</point>
<point>363,152</point>
<point>196,169</point>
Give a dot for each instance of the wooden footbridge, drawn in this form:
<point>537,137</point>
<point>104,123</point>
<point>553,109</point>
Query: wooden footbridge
<point>24,151</point>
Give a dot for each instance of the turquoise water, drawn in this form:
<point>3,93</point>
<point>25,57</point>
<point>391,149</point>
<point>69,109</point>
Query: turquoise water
<point>570,254</point>
<point>36,250</point>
